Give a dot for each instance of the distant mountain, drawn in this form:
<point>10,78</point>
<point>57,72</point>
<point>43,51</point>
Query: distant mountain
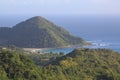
<point>37,32</point>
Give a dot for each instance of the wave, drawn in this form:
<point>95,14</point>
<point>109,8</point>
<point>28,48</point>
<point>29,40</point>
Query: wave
<point>99,43</point>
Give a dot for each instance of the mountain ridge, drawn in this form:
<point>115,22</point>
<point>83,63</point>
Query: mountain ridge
<point>38,32</point>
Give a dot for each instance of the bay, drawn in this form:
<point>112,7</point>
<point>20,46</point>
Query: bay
<point>115,45</point>
<point>102,31</point>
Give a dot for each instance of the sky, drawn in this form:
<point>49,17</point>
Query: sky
<point>15,11</point>
<point>60,7</point>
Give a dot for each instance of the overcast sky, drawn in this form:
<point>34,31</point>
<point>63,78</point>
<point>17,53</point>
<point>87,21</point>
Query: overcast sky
<point>60,7</point>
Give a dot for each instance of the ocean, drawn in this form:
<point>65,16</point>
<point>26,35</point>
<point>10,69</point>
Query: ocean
<point>102,31</point>
<point>114,45</point>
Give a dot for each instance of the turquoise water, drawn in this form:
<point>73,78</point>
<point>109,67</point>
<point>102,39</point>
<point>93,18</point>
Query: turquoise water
<point>114,45</point>
<point>58,50</point>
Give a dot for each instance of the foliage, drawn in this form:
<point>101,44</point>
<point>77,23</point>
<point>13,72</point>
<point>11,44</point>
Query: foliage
<point>44,58</point>
<point>87,64</point>
<point>17,66</point>
<point>80,64</point>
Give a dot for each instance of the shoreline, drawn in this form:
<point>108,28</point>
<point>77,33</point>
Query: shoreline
<point>40,50</point>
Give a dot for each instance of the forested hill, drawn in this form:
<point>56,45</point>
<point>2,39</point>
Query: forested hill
<point>17,66</point>
<point>87,64</point>
<point>80,64</point>
<point>37,32</point>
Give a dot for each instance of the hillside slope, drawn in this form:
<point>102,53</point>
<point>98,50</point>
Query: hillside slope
<point>80,64</point>
<point>37,32</point>
<point>87,64</point>
<point>16,66</point>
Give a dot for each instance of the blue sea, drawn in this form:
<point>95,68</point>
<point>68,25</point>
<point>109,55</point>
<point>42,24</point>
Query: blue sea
<point>98,42</point>
<point>102,31</point>
<point>114,45</point>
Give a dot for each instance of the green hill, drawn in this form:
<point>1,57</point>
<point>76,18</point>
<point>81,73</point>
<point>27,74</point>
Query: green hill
<point>80,64</point>
<point>16,66</point>
<point>37,32</point>
<point>87,64</point>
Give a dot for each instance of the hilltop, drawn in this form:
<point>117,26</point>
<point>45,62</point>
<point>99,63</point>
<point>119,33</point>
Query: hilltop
<point>37,32</point>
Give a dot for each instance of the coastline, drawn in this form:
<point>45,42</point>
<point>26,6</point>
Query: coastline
<point>34,50</point>
<point>41,50</point>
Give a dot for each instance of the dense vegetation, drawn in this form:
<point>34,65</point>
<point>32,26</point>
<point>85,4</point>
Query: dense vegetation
<point>44,58</point>
<point>14,65</point>
<point>37,32</point>
<point>80,64</point>
<point>88,64</point>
